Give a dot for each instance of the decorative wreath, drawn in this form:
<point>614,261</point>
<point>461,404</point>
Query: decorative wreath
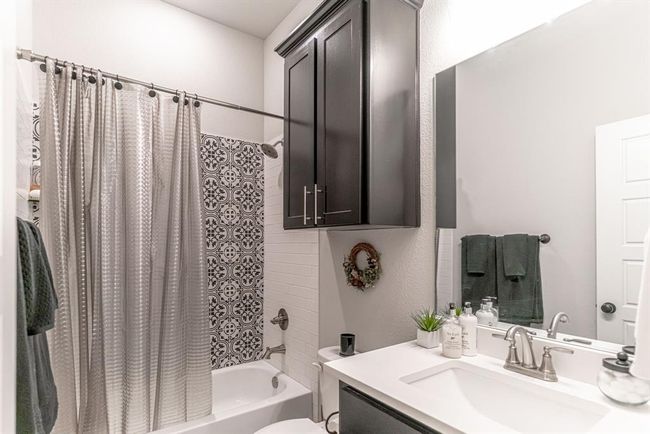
<point>366,277</point>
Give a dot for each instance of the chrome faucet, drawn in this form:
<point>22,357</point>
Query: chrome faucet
<point>560,317</point>
<point>280,349</point>
<point>545,371</point>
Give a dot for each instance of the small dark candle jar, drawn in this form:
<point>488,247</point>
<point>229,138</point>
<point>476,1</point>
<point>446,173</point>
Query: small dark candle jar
<point>347,344</point>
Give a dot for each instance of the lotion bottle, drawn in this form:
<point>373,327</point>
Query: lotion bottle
<point>452,337</point>
<point>468,322</point>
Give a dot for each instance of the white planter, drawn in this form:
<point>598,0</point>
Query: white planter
<point>428,339</point>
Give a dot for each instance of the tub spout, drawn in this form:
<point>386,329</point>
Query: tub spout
<point>280,349</point>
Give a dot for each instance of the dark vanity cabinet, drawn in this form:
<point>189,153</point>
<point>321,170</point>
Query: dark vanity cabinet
<point>351,148</point>
<point>362,414</point>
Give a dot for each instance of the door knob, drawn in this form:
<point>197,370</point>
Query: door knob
<point>608,307</point>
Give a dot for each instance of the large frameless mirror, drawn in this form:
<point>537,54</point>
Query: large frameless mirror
<point>545,145</point>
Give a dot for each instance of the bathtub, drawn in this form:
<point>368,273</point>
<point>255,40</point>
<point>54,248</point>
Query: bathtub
<point>244,400</point>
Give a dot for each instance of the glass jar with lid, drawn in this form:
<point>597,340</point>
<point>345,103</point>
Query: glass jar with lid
<point>616,382</point>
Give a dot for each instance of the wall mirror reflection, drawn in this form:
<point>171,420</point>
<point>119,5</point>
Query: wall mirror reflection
<point>549,133</point>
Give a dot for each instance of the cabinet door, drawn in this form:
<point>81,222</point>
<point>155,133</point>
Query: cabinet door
<point>362,414</point>
<point>340,109</point>
<point>299,137</point>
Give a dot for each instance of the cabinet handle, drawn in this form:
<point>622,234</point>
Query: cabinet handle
<point>316,191</point>
<point>305,192</point>
<point>345,211</point>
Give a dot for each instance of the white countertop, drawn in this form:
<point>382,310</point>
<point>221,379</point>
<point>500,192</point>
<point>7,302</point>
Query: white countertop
<point>379,374</point>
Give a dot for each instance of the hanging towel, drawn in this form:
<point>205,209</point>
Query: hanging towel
<point>520,299</point>
<point>478,268</point>
<point>40,297</point>
<point>36,398</point>
<point>641,366</point>
<point>515,256</point>
<point>477,251</point>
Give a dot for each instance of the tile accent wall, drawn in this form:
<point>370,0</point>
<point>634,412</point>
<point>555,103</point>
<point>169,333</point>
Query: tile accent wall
<point>233,197</point>
<point>35,169</point>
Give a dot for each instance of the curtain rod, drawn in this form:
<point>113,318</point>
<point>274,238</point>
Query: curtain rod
<point>24,54</point>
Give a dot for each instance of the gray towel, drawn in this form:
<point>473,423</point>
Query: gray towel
<point>478,268</point>
<point>477,251</point>
<point>520,297</point>
<point>40,297</point>
<point>36,397</point>
<point>515,256</point>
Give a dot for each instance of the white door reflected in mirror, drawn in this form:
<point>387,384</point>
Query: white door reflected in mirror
<point>622,220</point>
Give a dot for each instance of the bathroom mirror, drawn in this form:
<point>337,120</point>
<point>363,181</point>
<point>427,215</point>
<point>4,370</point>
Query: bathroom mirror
<point>549,133</point>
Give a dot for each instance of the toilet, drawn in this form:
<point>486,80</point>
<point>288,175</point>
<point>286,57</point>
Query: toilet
<point>329,389</point>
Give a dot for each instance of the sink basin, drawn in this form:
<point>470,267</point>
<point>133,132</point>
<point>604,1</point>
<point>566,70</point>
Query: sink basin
<point>487,397</point>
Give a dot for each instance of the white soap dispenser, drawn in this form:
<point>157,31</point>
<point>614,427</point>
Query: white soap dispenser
<point>485,314</point>
<point>494,307</point>
<point>452,337</point>
<point>468,322</point>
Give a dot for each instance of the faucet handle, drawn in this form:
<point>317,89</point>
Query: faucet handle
<point>547,350</point>
<point>513,357</point>
<point>546,367</point>
<point>282,319</point>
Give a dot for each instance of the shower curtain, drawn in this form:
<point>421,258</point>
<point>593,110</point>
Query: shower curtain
<point>123,225</point>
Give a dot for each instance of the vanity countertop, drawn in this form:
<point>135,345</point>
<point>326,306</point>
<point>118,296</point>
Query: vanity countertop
<point>383,374</point>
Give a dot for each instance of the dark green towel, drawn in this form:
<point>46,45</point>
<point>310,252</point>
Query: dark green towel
<point>520,297</point>
<point>515,256</point>
<point>477,253</point>
<point>478,268</point>
<point>36,397</point>
<point>40,297</point>
<point>28,414</point>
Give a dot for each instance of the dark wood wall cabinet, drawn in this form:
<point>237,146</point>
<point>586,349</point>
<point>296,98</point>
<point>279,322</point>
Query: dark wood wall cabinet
<point>351,131</point>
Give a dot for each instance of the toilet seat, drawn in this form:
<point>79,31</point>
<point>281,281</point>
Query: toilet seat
<point>293,426</point>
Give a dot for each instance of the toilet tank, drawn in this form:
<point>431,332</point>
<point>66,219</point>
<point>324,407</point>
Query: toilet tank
<point>329,386</point>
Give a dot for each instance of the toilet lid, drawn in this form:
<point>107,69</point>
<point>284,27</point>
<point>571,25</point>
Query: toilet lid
<point>293,426</point>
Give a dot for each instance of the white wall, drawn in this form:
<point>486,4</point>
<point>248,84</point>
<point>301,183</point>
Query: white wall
<point>527,164</point>
<point>8,19</point>
<point>153,41</point>
<point>450,31</point>
<point>24,113</point>
<point>290,257</point>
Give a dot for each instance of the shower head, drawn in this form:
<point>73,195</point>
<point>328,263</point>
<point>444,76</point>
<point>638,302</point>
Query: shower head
<point>269,150</point>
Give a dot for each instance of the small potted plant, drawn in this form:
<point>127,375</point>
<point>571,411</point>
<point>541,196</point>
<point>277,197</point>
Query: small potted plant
<point>429,324</point>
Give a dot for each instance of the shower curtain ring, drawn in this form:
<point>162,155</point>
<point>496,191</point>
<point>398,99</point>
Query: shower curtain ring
<point>118,85</point>
<point>91,78</point>
<point>196,100</point>
<point>57,70</point>
<point>175,98</point>
<point>43,66</point>
<point>152,92</point>
<point>185,100</point>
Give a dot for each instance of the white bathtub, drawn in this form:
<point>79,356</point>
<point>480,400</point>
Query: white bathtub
<point>244,400</point>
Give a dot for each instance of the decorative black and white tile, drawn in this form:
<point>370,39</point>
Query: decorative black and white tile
<point>233,199</point>
<point>35,175</point>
